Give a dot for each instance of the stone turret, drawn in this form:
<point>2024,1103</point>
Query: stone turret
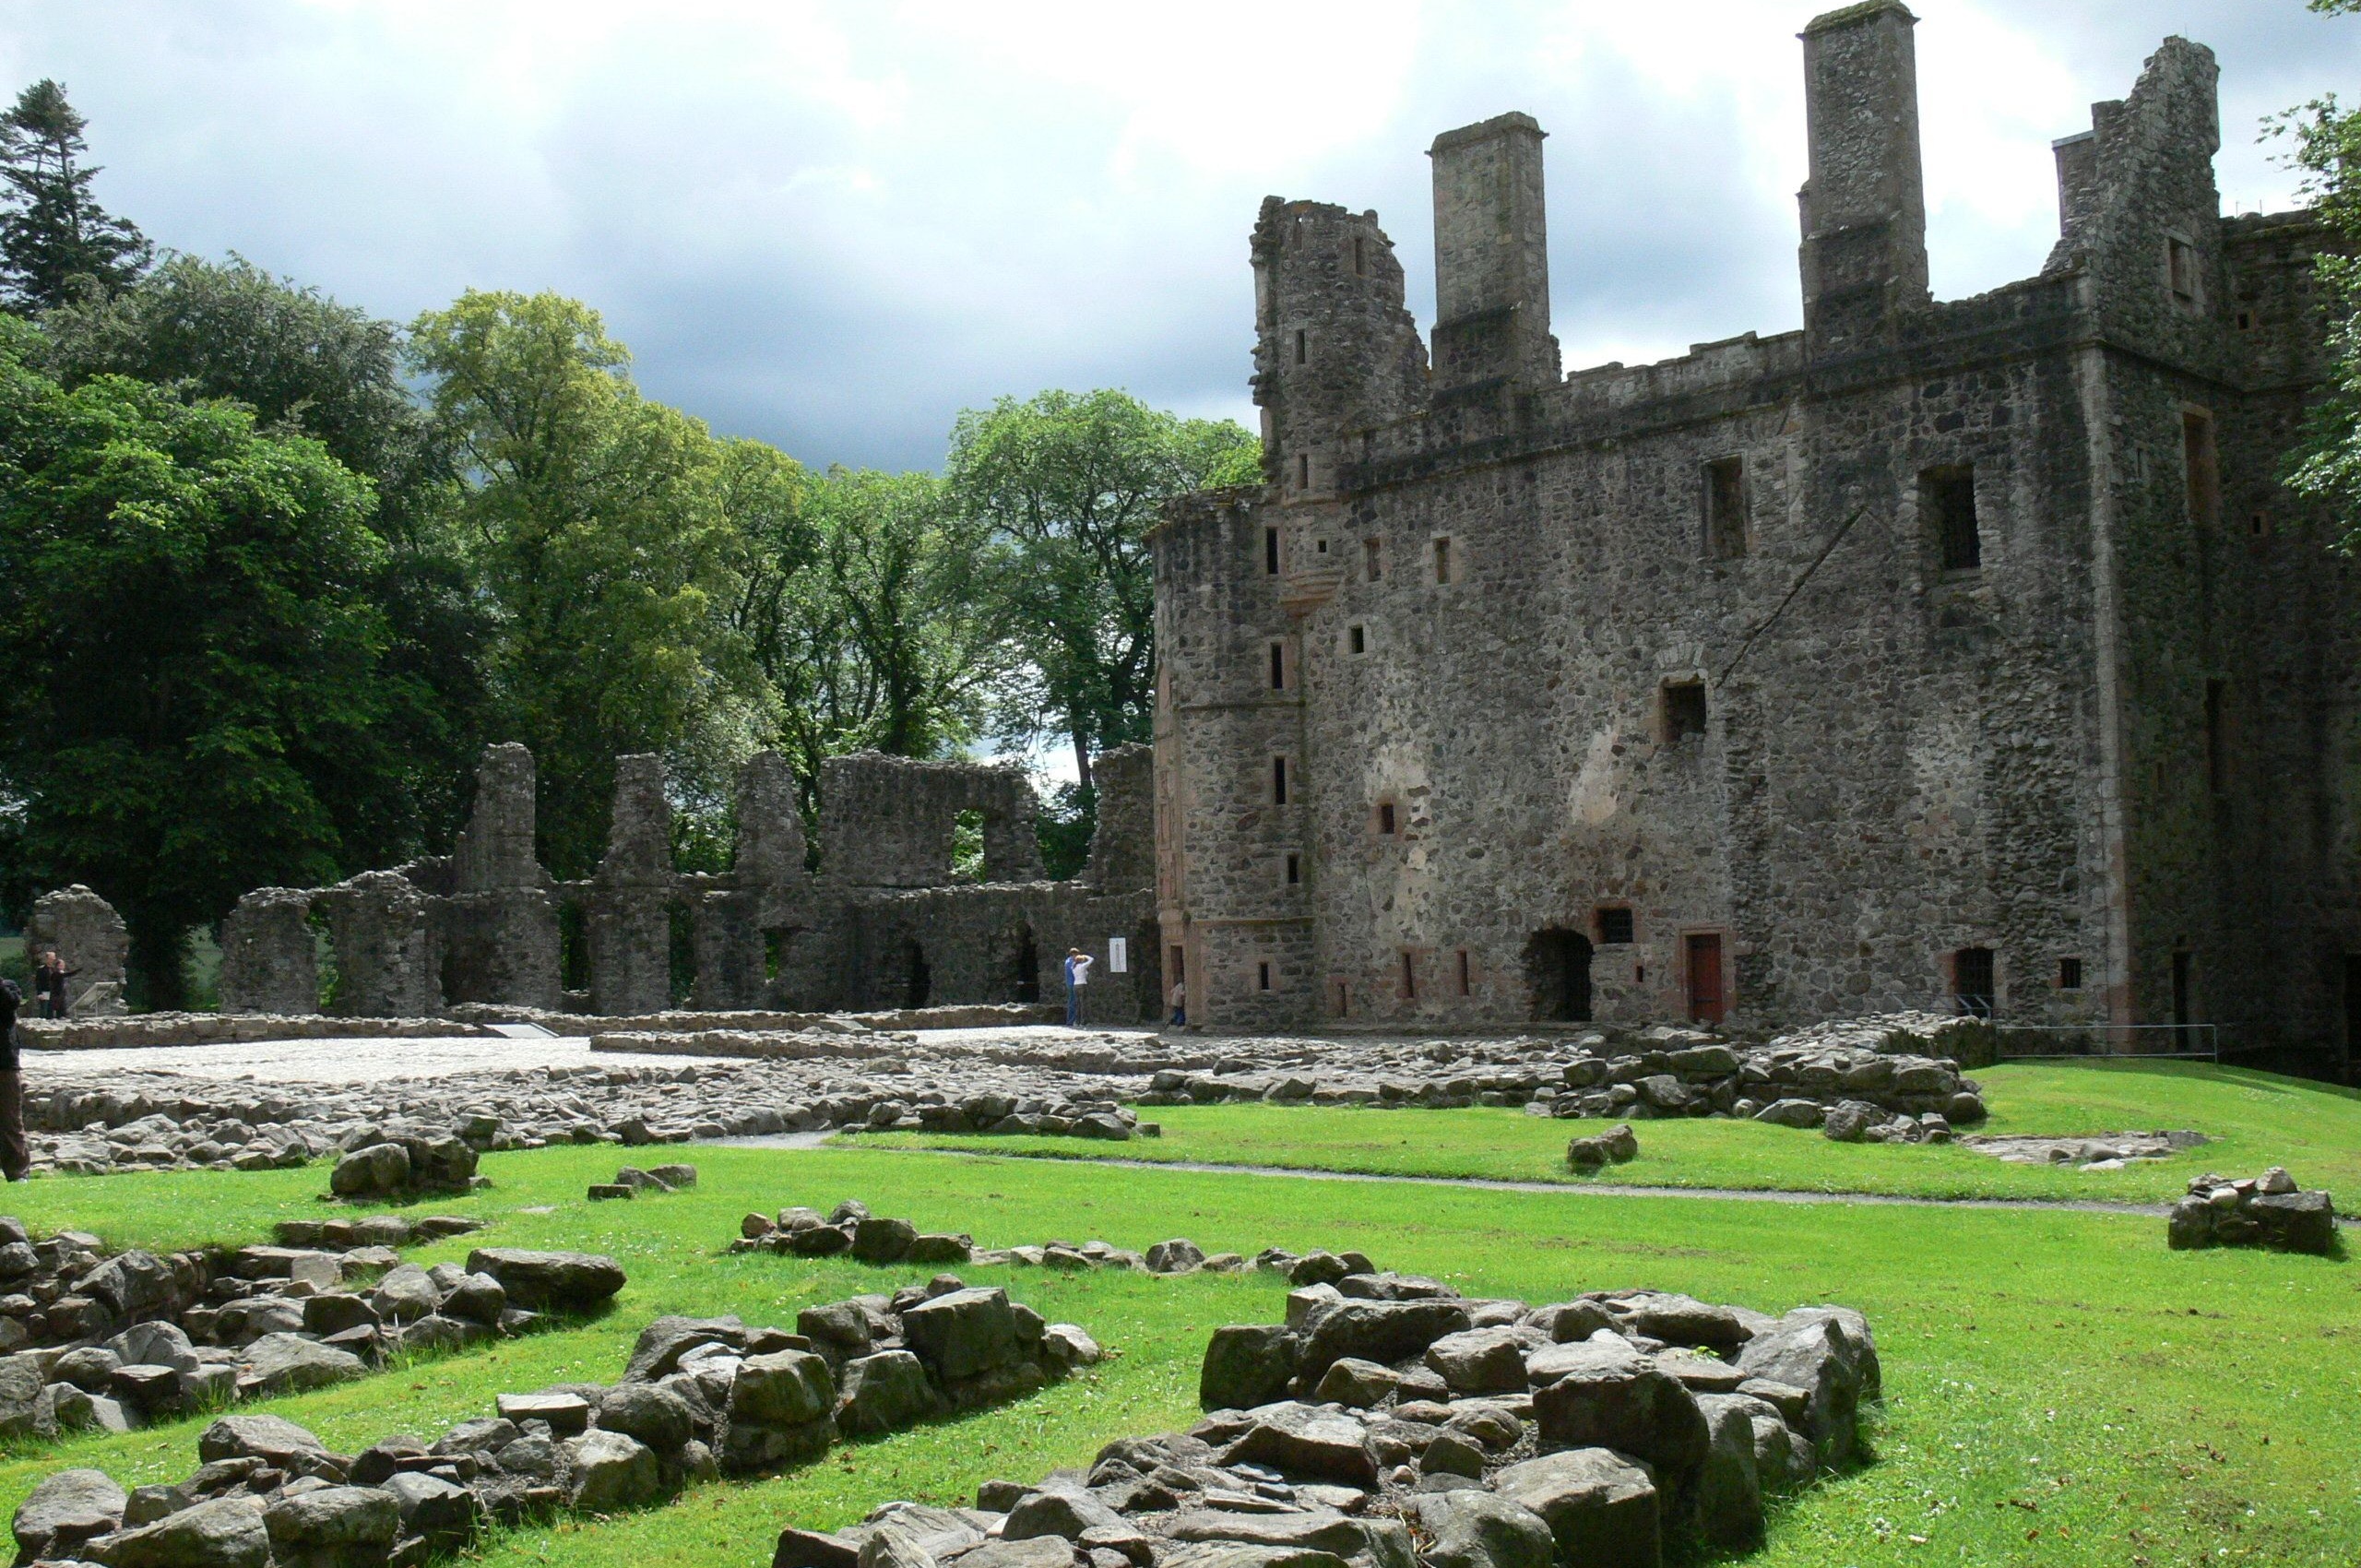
<point>1491,258</point>
<point>1863,208</point>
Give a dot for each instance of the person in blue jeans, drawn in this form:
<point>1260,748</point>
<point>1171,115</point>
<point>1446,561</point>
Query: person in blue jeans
<point>1077,976</point>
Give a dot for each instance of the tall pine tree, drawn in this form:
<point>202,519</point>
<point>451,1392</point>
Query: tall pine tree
<point>53,232</point>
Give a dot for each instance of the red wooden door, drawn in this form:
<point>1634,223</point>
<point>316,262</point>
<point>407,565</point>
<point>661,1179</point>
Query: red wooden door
<point>1705,1002</point>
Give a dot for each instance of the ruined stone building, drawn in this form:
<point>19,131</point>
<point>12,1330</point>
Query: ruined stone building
<point>884,922</point>
<point>1960,654</point>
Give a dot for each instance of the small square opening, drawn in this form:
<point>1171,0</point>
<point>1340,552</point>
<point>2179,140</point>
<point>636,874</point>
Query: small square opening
<point>2070,974</point>
<point>1385,819</point>
<point>1614,926</point>
<point>1357,639</point>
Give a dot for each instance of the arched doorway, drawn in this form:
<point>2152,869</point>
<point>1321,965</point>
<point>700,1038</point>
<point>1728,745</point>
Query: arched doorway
<point>1557,975</point>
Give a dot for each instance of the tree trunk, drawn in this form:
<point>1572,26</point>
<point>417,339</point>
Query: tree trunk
<point>1082,759</point>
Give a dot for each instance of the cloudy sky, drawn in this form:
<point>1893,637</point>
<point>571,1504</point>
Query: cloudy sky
<point>834,226</point>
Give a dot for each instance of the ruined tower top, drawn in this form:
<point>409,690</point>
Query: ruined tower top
<point>1864,206</point>
<point>1491,257</point>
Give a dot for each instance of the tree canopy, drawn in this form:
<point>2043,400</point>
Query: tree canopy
<point>55,240</point>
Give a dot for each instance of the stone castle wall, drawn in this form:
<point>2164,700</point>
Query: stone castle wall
<point>1672,673</point>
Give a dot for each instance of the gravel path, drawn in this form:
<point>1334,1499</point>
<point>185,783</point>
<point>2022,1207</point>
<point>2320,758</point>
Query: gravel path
<point>1586,1189</point>
<point>359,1060</point>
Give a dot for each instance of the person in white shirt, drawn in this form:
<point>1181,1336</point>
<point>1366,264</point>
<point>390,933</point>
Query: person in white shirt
<point>1077,976</point>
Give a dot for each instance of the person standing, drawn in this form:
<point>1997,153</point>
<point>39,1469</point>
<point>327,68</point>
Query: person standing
<point>49,979</point>
<point>16,1159</point>
<point>1180,1003</point>
<point>1077,967</point>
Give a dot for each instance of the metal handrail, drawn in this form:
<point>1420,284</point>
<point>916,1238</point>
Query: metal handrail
<point>2210,1035</point>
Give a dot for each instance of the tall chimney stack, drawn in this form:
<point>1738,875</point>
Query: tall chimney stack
<point>1864,207</point>
<point>1491,258</point>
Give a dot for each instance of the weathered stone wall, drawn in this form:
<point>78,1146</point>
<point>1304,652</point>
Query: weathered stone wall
<point>889,821</point>
<point>91,939</point>
<point>1541,674</point>
<point>270,954</point>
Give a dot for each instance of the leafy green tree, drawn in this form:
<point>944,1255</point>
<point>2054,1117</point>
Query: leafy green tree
<point>305,363</point>
<point>195,688</point>
<point>872,616</point>
<point>54,237</point>
<point>594,520</point>
<point>2326,147</point>
<point>1071,483</point>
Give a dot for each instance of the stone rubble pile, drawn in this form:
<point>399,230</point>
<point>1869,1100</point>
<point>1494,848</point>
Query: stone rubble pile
<point>91,1120</point>
<point>115,1342</point>
<point>2104,1151</point>
<point>631,1180</point>
<point>2268,1210</point>
<point>1389,1422</point>
<point>1617,1145</point>
<point>851,1230</point>
<point>401,1163</point>
<point>699,1398</point>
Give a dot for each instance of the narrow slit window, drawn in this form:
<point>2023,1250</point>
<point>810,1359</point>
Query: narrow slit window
<point>2070,974</point>
<point>1279,667</point>
<point>1385,819</point>
<point>1344,1000</point>
<point>1409,976</point>
<point>1372,559</point>
<point>1357,639</point>
<point>1295,870</point>
<point>2201,463</point>
<point>1356,256</point>
<point>1302,347</point>
<point>1684,710</point>
<point>1262,976</point>
<point>1278,781</point>
<point>1947,499</point>
<point>2217,761</point>
<point>1726,508</point>
<point>1270,552</point>
<point>1442,560</point>
<point>1466,981</point>
<point>1303,471</point>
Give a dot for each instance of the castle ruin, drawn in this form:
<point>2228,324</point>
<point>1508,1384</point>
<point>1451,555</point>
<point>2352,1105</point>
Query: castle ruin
<point>885,923</point>
<point>1960,654</point>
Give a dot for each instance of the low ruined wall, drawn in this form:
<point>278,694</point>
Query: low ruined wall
<point>225,1029</point>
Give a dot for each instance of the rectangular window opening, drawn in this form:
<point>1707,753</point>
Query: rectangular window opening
<point>1614,926</point>
<point>1262,976</point>
<point>1357,639</point>
<point>1358,269</point>
<point>1726,508</point>
<point>1302,346</point>
<point>1442,560</point>
<point>1409,976</point>
<point>1279,667</point>
<point>1467,979</point>
<point>1947,499</point>
<point>1372,559</point>
<point>2180,265</point>
<point>1295,870</point>
<point>1278,781</point>
<point>1972,983</point>
<point>1303,471</point>
<point>2202,467</point>
<point>2070,974</point>
<point>2259,525</point>
<point>1683,710</point>
<point>1271,552</point>
<point>1385,819</point>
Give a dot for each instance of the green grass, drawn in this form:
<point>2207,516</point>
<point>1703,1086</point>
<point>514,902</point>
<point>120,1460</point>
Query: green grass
<point>2258,1120</point>
<point>2053,1371</point>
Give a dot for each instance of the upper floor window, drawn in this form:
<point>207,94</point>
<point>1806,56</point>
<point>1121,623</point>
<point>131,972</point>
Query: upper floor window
<point>1947,502</point>
<point>1270,552</point>
<point>1445,564</point>
<point>2182,273</point>
<point>1726,508</point>
<point>1372,559</point>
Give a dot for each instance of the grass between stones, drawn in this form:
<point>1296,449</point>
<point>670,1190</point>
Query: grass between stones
<point>2258,1120</point>
<point>2061,1389</point>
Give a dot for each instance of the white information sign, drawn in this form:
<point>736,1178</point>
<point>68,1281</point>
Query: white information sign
<point>1119,954</point>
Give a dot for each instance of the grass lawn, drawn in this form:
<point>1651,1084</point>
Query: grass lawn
<point>2257,1119</point>
<point>2061,1389</point>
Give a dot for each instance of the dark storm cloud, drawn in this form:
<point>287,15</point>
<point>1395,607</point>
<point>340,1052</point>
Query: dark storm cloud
<point>836,226</point>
